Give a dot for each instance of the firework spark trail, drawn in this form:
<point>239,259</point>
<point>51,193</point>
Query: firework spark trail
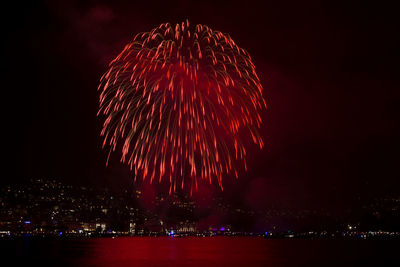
<point>176,97</point>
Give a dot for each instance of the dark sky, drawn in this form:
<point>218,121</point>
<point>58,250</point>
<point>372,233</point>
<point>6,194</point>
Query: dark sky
<point>330,72</point>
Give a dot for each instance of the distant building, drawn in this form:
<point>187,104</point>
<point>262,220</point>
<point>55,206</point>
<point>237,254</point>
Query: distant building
<point>89,227</point>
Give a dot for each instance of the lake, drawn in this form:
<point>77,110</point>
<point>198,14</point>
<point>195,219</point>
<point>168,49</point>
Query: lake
<point>197,251</point>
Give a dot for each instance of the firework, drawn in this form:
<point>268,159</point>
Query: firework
<point>175,99</point>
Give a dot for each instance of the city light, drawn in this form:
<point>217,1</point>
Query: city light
<point>62,210</point>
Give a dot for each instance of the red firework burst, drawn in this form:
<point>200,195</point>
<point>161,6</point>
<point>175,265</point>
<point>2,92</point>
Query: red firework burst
<point>175,98</point>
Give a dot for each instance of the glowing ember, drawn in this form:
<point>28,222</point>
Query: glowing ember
<point>175,98</point>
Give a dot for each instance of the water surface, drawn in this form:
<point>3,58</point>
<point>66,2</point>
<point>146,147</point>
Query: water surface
<point>196,251</point>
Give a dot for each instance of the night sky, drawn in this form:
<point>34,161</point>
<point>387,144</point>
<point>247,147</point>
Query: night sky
<point>329,72</point>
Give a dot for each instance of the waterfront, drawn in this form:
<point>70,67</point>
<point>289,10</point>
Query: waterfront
<point>195,251</point>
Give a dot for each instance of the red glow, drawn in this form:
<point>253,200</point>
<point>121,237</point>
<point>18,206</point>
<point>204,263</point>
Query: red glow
<point>176,98</point>
<point>191,251</point>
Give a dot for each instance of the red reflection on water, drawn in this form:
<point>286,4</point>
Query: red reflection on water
<point>168,251</point>
<point>208,252</point>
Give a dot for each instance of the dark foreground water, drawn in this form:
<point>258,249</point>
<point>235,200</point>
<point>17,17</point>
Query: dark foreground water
<point>193,251</point>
